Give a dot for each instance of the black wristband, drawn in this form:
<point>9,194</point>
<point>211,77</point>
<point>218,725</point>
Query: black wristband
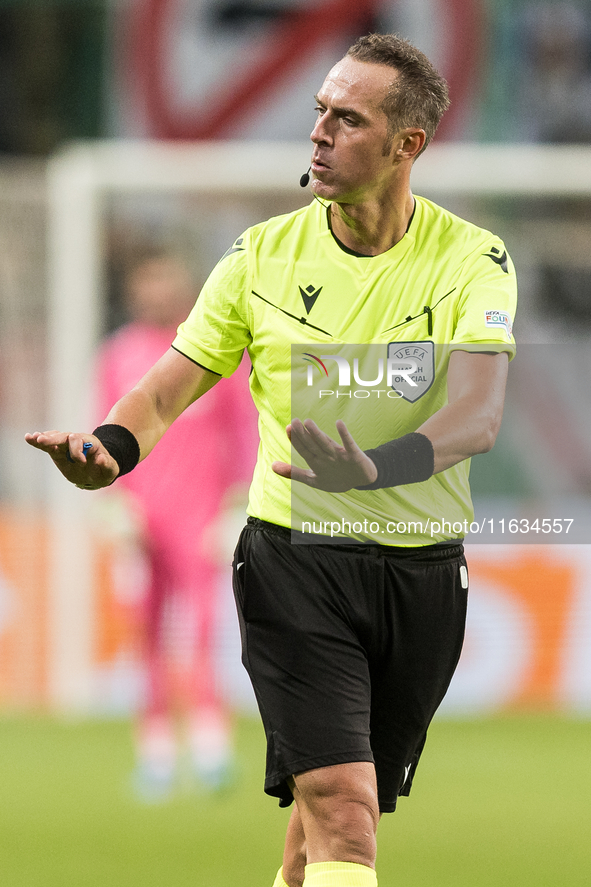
<point>121,444</point>
<point>406,460</point>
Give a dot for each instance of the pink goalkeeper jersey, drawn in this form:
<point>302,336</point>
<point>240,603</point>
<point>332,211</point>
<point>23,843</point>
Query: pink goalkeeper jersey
<point>210,447</point>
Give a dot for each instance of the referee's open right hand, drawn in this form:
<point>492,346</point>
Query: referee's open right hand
<point>81,458</point>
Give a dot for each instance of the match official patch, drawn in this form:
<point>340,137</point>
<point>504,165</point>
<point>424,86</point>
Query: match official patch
<point>411,368</point>
<point>499,319</point>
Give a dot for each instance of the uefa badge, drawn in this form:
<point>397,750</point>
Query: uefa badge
<point>411,368</point>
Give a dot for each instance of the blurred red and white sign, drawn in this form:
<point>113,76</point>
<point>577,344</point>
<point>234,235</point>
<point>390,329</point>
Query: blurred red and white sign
<point>207,69</point>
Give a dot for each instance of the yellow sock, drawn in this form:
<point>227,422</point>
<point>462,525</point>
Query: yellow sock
<point>279,882</point>
<point>339,874</point>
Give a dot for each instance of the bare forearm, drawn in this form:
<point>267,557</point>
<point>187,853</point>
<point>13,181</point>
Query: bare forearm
<point>470,422</point>
<point>137,412</point>
<point>150,408</point>
<point>460,430</point>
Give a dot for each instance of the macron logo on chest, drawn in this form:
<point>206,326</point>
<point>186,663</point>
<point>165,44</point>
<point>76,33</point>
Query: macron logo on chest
<point>309,296</point>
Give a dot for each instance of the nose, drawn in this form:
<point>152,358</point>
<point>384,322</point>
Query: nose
<point>320,134</point>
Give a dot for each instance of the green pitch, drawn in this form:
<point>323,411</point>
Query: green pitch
<point>503,801</point>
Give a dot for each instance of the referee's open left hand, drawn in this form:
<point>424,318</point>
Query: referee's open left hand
<point>89,468</point>
<point>334,467</point>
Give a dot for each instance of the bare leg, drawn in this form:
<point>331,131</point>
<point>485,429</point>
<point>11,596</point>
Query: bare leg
<point>338,814</point>
<point>294,856</point>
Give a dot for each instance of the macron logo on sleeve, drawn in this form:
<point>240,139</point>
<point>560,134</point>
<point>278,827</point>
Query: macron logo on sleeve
<point>499,258</point>
<point>236,248</point>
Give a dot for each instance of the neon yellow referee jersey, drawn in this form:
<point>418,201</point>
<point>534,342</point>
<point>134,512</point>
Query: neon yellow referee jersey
<point>307,309</point>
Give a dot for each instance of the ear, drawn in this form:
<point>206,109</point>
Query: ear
<point>409,144</point>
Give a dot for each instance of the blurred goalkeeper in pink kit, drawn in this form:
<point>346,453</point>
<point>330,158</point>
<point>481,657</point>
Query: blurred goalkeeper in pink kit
<point>179,507</point>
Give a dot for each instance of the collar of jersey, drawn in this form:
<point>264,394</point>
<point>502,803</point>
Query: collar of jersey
<point>395,251</point>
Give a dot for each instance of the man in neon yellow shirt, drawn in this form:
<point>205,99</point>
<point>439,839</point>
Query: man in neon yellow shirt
<point>350,647</point>
<point>253,299</point>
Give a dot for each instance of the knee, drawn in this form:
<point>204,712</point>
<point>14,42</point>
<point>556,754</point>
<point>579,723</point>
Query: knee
<point>340,804</point>
<point>343,785</point>
<point>350,823</point>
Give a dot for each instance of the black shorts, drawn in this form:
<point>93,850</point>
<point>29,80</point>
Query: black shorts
<point>350,650</point>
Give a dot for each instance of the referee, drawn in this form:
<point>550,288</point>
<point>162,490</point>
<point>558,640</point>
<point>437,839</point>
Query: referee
<point>350,646</point>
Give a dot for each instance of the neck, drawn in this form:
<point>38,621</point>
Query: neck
<point>372,228</point>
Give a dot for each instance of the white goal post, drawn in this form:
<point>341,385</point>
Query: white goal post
<point>79,179</point>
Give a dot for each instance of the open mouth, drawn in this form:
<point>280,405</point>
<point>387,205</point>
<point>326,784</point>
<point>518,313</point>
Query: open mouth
<point>318,165</point>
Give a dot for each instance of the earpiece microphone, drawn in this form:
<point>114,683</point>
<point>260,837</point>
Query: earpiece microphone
<point>305,179</point>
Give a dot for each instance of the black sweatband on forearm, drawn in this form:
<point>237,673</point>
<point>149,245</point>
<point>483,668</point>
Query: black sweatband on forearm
<point>121,444</point>
<point>406,460</point>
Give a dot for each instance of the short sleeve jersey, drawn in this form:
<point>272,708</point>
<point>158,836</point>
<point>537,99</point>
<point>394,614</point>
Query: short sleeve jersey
<point>287,287</point>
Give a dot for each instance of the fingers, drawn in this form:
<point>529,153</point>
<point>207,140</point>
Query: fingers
<point>310,442</point>
<point>346,438</point>
<point>326,445</point>
<point>61,446</point>
<point>319,451</point>
<point>293,472</point>
<point>333,467</point>
<point>46,440</point>
<point>81,458</point>
<point>283,469</point>
<point>79,449</point>
<point>318,438</point>
<point>75,447</point>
